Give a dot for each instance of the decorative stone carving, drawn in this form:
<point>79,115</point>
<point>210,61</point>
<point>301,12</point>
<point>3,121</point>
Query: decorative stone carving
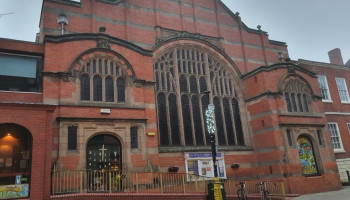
<point>167,34</point>
<point>103,40</point>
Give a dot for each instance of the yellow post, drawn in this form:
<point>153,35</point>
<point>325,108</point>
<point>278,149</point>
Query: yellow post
<point>110,181</point>
<point>283,191</point>
<point>217,189</point>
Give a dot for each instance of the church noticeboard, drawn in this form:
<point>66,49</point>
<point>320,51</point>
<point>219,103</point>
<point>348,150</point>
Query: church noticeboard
<point>201,164</point>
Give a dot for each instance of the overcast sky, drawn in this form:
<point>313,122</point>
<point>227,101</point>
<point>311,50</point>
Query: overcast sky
<point>309,27</point>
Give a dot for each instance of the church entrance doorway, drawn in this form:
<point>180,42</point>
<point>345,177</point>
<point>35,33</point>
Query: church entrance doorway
<point>103,158</point>
<point>103,153</point>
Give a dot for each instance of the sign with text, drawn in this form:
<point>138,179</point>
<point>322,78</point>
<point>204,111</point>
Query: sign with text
<point>14,191</point>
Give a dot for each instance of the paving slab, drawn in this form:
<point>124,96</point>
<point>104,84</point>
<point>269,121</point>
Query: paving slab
<point>343,194</point>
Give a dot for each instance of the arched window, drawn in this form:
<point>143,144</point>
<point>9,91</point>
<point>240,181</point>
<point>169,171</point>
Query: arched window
<point>103,152</point>
<point>85,87</point>
<point>97,88</point>
<point>108,81</point>
<point>121,89</point>
<point>15,161</point>
<point>189,73</point>
<point>297,95</point>
<point>307,156</point>
<point>109,89</point>
<point>134,137</point>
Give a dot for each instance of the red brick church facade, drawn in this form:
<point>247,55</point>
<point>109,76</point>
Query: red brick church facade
<point>133,73</point>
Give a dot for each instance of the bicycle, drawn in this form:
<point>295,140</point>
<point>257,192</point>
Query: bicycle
<point>263,191</point>
<point>242,194</point>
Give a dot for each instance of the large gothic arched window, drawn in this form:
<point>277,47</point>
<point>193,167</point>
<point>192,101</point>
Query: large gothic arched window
<point>182,76</point>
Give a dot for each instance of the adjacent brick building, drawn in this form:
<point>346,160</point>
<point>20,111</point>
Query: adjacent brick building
<point>122,87</point>
<point>333,80</point>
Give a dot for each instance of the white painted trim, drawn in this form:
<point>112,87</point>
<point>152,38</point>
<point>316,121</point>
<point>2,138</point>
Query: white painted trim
<point>341,149</point>
<point>336,113</point>
<point>342,81</point>
<point>343,159</point>
<point>326,84</point>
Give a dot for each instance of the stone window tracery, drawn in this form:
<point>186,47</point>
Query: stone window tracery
<point>102,80</point>
<point>182,75</point>
<point>297,96</point>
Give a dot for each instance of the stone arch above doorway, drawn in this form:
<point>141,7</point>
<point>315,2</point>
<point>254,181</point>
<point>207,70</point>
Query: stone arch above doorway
<point>103,152</point>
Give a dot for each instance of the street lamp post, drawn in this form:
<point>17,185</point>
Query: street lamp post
<point>209,114</point>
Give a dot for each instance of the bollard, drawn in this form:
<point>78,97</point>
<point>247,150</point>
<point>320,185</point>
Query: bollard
<point>347,171</point>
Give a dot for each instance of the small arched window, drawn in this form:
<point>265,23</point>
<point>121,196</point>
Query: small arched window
<point>121,89</point>
<point>85,87</point>
<point>97,88</point>
<point>109,89</point>
<point>297,95</point>
<point>103,80</point>
<point>307,156</point>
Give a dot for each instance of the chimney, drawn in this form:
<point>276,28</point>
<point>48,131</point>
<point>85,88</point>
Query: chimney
<point>335,57</point>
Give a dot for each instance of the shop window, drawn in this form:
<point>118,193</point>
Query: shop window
<point>15,161</point>
<point>20,73</point>
<point>307,157</point>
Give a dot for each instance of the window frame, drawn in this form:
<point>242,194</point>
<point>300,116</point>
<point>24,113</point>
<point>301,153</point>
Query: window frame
<point>134,140</point>
<point>75,138</point>
<point>104,68</point>
<point>342,81</point>
<point>341,149</point>
<point>188,65</point>
<point>324,78</point>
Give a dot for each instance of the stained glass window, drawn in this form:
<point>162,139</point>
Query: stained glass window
<point>307,157</point>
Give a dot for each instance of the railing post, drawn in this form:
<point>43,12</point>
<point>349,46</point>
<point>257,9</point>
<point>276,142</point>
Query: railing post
<point>161,183</point>
<point>53,180</point>
<point>81,181</point>
<point>283,191</point>
<point>183,183</point>
<point>137,184</point>
<point>110,181</point>
<point>195,180</point>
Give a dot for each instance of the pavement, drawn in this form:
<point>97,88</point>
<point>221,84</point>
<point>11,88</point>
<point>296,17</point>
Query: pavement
<point>343,194</point>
